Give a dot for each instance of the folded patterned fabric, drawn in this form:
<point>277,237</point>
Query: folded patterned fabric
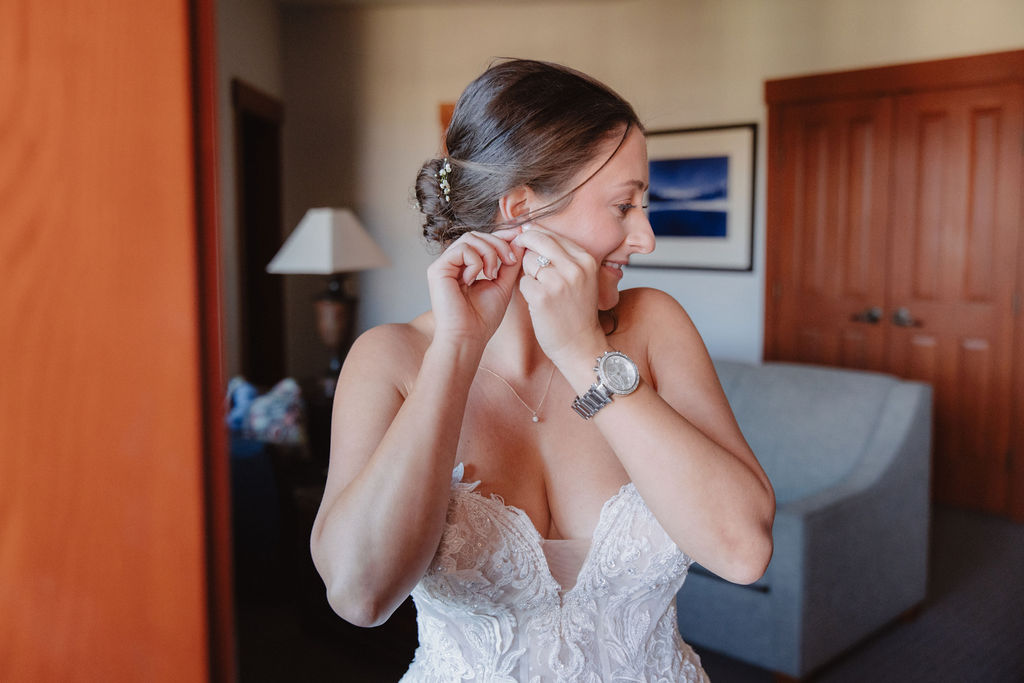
<point>278,416</point>
<point>240,396</point>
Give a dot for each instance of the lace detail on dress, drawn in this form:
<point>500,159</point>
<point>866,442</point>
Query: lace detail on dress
<point>489,608</point>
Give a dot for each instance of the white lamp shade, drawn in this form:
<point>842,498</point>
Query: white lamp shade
<point>328,241</point>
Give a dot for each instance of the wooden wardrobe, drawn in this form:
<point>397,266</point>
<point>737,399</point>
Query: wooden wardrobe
<point>893,243</point>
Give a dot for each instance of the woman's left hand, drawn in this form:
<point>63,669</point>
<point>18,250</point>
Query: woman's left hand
<point>560,286</point>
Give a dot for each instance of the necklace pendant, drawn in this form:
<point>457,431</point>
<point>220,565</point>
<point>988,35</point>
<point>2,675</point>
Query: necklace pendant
<point>515,393</point>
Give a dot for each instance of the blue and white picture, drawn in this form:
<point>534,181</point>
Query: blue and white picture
<point>701,198</point>
<point>690,197</point>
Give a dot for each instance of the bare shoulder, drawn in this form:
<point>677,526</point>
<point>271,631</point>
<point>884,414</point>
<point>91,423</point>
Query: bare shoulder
<point>392,353</point>
<point>658,327</point>
<point>645,300</point>
<point>652,315</point>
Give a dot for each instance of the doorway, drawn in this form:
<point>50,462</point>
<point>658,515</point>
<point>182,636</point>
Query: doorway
<point>257,128</point>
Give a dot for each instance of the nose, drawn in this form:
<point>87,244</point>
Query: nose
<point>641,235</point>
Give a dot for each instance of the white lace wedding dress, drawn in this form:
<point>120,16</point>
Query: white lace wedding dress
<point>493,606</point>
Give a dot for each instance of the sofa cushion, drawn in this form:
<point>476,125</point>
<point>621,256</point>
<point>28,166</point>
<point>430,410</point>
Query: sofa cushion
<point>808,425</point>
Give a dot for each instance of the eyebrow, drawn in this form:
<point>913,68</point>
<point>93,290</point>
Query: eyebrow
<point>638,184</point>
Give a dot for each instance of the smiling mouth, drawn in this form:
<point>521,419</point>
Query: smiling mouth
<point>613,264</point>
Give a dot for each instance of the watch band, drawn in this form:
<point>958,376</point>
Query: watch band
<point>595,398</point>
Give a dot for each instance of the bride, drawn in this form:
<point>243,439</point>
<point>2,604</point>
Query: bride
<point>540,457</point>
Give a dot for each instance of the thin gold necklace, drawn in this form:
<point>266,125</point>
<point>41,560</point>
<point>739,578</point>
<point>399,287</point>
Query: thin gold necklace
<point>533,411</point>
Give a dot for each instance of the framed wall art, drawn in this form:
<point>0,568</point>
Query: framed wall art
<point>701,198</point>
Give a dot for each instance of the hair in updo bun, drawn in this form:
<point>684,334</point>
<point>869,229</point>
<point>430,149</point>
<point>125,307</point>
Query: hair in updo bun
<point>520,123</point>
<point>439,224</point>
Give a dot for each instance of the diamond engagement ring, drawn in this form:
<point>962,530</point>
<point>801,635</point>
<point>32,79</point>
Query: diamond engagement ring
<point>544,261</point>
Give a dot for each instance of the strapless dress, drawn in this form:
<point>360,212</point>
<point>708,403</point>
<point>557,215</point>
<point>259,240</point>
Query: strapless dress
<point>501,604</point>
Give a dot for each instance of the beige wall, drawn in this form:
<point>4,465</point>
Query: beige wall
<point>362,87</point>
<point>249,48</point>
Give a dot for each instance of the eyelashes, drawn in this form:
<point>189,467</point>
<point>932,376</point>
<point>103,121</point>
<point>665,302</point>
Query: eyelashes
<point>625,207</point>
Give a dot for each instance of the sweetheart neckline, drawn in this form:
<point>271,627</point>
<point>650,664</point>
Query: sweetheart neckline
<point>535,536</point>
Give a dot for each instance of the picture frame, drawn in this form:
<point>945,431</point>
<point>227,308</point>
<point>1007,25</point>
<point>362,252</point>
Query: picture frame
<point>701,198</point>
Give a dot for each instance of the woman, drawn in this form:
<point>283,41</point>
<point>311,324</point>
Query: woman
<point>542,513</point>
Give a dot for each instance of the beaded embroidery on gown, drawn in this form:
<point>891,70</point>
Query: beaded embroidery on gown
<point>490,610</point>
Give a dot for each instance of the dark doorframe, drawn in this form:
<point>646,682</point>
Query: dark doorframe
<point>257,124</point>
<point>217,479</point>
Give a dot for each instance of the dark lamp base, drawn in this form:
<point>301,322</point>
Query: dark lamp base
<point>335,319</point>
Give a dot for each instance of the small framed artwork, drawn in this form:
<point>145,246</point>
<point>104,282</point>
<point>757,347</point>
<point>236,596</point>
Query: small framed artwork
<point>701,198</point>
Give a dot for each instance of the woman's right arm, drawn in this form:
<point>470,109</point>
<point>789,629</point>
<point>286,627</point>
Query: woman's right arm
<point>393,447</point>
<point>390,474</point>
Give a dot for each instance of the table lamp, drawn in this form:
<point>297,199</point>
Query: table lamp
<point>331,242</point>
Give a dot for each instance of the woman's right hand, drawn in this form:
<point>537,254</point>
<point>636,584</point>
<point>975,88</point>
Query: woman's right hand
<point>471,284</point>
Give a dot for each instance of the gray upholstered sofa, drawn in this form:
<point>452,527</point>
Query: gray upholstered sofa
<point>848,453</point>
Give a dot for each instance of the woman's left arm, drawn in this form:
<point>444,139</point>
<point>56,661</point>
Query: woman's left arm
<point>677,438</point>
<point>675,435</point>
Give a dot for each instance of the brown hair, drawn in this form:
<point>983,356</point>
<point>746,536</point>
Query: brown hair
<point>520,123</point>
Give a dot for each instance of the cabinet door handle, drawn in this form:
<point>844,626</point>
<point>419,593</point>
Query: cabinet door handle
<point>903,318</point>
<point>869,315</point>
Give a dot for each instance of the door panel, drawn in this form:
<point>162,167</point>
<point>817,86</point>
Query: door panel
<point>830,234</point>
<point>102,516</point>
<point>929,247</point>
<point>953,248</point>
<point>952,282</point>
<point>982,222</point>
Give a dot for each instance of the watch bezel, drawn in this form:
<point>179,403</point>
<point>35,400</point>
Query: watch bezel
<point>603,378</point>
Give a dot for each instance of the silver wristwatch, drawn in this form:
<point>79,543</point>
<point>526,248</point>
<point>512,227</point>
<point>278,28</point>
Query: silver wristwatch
<point>616,374</point>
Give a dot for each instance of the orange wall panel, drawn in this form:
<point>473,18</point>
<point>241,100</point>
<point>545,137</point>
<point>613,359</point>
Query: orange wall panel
<point>102,563</point>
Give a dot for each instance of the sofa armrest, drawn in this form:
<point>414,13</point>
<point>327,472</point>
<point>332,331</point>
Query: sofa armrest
<point>894,452</point>
<point>863,543</point>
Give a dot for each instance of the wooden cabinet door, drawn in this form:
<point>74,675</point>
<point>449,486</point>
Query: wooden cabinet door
<point>932,243</point>
<point>954,230</point>
<point>828,242</point>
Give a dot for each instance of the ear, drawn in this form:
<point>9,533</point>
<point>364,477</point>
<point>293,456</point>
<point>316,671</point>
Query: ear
<point>516,203</point>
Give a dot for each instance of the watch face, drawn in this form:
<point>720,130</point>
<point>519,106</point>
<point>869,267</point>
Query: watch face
<point>618,373</point>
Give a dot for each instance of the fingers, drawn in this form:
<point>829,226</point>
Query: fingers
<point>561,291</point>
<point>534,291</point>
<point>507,234</point>
<point>534,263</point>
<point>550,251</point>
<point>507,275</point>
<point>557,280</point>
<point>474,263</point>
<point>482,257</point>
<point>478,255</point>
<point>549,244</point>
